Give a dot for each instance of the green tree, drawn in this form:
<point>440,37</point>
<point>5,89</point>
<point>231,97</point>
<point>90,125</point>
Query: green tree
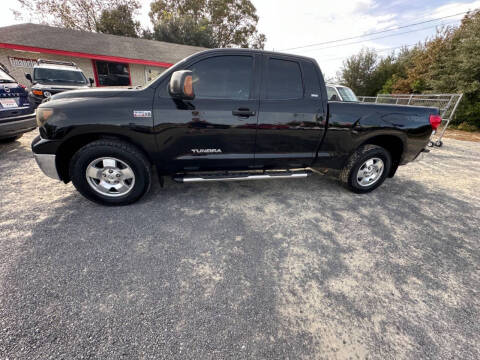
<point>184,30</point>
<point>446,63</point>
<point>118,21</point>
<point>385,69</point>
<point>457,68</point>
<point>72,14</point>
<point>226,22</point>
<point>358,70</point>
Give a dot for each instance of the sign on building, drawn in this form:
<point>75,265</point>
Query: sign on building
<point>22,62</point>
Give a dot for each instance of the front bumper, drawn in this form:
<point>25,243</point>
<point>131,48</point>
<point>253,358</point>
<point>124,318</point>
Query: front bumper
<point>35,99</point>
<point>46,163</point>
<point>18,125</point>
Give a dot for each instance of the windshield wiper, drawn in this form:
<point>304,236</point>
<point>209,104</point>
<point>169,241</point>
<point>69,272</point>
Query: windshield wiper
<point>6,81</point>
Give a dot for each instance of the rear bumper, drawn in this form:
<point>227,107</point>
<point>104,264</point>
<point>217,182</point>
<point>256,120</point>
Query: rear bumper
<point>17,125</point>
<point>47,163</point>
<point>421,155</point>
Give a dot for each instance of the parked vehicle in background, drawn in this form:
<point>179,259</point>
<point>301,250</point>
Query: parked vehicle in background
<point>337,92</point>
<point>50,77</point>
<point>17,114</point>
<point>222,115</point>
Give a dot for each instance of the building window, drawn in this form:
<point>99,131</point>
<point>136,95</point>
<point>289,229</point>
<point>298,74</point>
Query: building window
<point>112,73</point>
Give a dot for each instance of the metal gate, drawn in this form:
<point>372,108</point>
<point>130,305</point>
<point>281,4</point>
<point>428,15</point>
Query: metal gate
<point>446,103</point>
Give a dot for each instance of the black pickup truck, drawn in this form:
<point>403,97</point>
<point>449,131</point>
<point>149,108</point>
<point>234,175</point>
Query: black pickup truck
<point>224,114</point>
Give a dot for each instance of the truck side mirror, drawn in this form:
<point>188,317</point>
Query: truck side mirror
<point>28,77</point>
<point>181,85</point>
<point>91,81</point>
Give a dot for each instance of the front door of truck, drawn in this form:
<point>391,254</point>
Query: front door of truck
<point>217,128</point>
<point>291,118</point>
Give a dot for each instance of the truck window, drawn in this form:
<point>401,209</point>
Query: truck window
<point>58,75</point>
<point>284,80</point>
<point>347,94</point>
<point>331,92</point>
<point>223,77</point>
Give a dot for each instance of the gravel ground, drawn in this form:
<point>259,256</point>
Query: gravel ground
<point>275,269</point>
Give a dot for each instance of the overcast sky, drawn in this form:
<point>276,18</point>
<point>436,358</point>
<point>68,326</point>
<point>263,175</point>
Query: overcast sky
<point>289,24</point>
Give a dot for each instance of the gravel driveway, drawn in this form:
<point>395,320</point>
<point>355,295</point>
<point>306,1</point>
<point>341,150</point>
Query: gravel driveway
<point>274,269</point>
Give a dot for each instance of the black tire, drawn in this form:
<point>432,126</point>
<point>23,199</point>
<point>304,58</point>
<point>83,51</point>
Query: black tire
<point>123,151</point>
<point>349,173</point>
<point>11,139</point>
<point>439,143</point>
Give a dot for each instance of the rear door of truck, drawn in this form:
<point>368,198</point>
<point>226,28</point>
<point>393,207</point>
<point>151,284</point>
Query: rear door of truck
<point>291,120</point>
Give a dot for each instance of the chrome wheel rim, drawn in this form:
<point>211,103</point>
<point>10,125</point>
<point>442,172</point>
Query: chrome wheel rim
<point>370,172</point>
<point>110,176</point>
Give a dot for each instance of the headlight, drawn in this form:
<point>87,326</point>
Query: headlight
<point>43,114</point>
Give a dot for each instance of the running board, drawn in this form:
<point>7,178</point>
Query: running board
<point>184,178</point>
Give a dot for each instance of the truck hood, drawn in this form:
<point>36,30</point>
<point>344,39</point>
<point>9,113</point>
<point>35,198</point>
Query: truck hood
<point>62,87</point>
<point>90,93</point>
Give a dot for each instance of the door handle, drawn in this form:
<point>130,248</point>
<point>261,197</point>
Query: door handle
<point>243,112</point>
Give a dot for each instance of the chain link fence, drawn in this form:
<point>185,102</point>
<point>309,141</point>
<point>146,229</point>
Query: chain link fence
<point>446,103</point>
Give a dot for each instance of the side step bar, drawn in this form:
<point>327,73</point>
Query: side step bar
<point>185,178</point>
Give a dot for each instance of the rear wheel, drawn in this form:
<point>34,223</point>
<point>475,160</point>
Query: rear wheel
<point>366,169</point>
<point>110,172</point>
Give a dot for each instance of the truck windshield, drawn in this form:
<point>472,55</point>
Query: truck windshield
<point>347,94</point>
<point>56,75</point>
<point>5,78</point>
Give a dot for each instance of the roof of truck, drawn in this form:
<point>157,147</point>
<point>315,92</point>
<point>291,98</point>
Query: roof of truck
<point>58,67</point>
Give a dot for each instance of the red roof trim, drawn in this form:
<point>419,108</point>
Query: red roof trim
<point>85,55</point>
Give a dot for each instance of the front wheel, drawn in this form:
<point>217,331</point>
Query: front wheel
<point>366,169</point>
<point>110,172</point>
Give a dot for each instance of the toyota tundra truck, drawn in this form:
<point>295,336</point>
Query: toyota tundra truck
<point>223,115</point>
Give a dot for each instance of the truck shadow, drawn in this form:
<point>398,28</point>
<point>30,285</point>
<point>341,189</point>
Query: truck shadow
<point>292,268</point>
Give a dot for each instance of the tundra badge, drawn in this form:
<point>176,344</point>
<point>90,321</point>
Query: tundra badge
<point>142,113</point>
<point>206,151</point>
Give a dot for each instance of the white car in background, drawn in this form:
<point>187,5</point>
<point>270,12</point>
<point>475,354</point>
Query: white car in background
<point>340,93</point>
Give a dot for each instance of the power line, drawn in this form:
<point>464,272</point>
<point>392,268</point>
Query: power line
<point>381,50</point>
<point>379,37</point>
<point>374,33</point>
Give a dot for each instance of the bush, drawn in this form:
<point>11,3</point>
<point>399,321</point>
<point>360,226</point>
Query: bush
<point>467,127</point>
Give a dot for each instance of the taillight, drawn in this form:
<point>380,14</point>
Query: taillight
<point>435,121</point>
